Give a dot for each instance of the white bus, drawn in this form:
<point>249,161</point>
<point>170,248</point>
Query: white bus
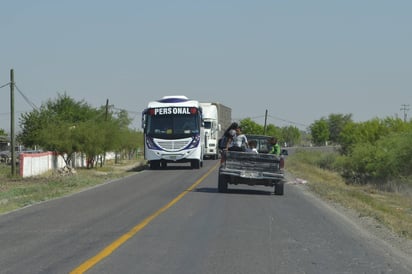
<point>173,132</point>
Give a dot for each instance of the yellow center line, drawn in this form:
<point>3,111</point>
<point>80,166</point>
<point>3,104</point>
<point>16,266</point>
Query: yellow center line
<point>122,239</point>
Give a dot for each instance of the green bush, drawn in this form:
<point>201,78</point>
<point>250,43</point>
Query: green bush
<point>389,159</point>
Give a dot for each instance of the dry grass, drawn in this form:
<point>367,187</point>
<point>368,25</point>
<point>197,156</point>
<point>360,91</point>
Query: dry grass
<point>392,209</point>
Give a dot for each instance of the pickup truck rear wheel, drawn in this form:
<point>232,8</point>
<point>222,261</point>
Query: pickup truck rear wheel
<point>279,189</point>
<point>222,183</point>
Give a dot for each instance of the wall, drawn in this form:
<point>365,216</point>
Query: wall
<point>33,164</point>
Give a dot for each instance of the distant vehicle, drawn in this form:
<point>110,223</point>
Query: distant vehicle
<point>5,156</point>
<point>173,132</point>
<point>216,117</point>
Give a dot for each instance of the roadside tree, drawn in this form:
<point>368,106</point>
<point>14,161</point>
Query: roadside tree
<point>67,126</point>
<point>291,135</point>
<point>336,123</point>
<point>250,127</point>
<point>320,132</point>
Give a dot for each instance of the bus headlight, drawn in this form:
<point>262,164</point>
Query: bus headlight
<point>195,142</point>
<point>150,144</point>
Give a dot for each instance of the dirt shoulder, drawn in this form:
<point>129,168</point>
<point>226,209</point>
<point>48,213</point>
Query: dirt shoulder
<point>399,245</point>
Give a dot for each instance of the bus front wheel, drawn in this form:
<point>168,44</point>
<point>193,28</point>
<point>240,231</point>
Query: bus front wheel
<point>195,164</point>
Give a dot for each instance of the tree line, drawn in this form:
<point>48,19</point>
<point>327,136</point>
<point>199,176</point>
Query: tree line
<point>377,151</point>
<point>67,126</point>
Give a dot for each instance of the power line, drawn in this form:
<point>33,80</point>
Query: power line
<point>275,118</point>
<point>256,117</point>
<point>26,98</point>
<point>30,103</point>
<point>288,121</point>
<point>5,85</point>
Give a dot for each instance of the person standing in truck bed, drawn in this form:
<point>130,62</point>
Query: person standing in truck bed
<point>275,149</point>
<point>239,142</point>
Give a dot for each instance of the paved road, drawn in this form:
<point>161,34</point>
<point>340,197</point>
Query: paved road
<point>175,221</point>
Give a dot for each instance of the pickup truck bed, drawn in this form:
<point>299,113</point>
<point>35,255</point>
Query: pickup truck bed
<point>251,169</point>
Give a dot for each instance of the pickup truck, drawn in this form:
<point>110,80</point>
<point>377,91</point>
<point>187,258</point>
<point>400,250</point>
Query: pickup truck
<point>251,169</point>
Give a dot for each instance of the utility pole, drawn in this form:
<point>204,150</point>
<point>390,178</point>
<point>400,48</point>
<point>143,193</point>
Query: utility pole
<point>106,117</point>
<point>266,118</point>
<point>405,109</point>
<point>12,138</point>
<point>107,109</point>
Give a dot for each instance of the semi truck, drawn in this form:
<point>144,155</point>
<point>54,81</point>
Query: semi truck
<point>173,132</point>
<point>216,118</point>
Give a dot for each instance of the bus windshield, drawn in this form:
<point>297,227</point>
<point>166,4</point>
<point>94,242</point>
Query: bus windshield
<point>168,126</point>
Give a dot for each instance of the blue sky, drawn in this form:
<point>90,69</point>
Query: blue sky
<point>300,60</point>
